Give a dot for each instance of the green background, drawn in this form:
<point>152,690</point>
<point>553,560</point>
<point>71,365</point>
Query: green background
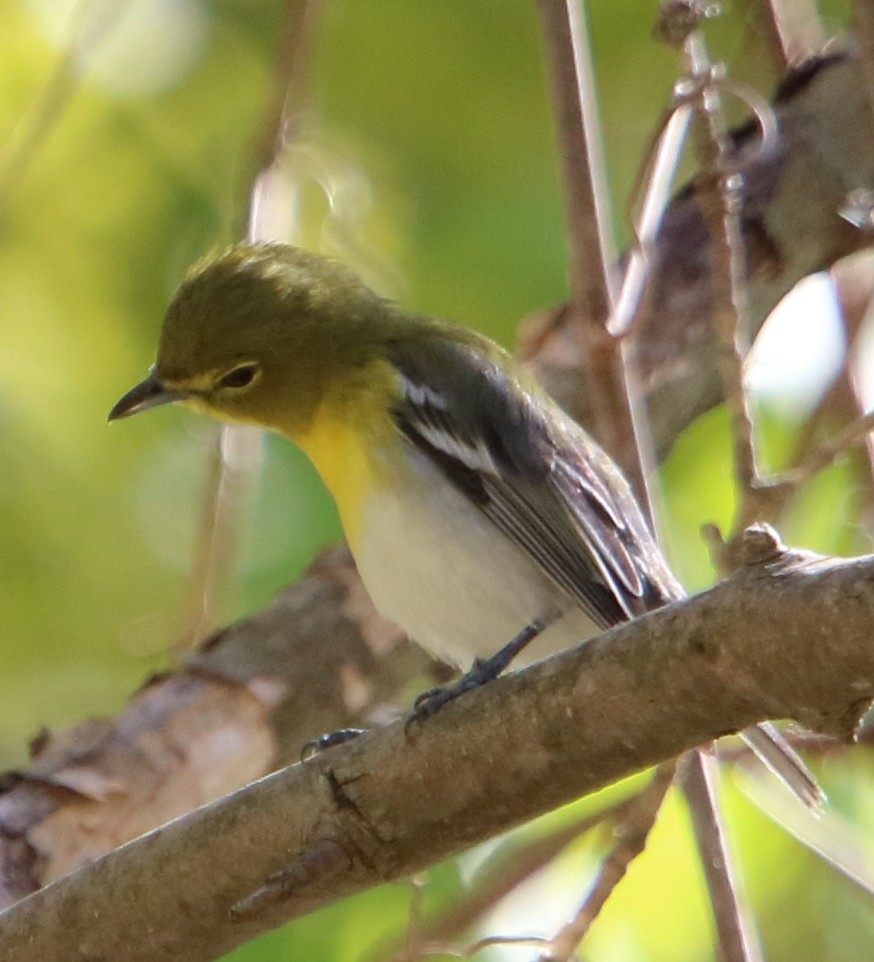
<point>433,118</point>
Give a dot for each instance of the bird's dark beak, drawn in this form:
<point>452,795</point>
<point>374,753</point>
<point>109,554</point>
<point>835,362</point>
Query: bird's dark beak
<point>147,394</point>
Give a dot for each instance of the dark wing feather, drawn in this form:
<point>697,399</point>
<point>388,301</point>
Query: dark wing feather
<point>537,476</point>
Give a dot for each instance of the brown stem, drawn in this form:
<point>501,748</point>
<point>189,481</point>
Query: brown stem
<point>510,869</point>
<point>592,254</point>
<point>633,834</point>
<point>236,458</point>
<point>718,188</point>
<point>736,934</point>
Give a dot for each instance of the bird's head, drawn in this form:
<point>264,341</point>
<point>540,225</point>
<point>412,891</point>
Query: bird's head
<point>257,334</point>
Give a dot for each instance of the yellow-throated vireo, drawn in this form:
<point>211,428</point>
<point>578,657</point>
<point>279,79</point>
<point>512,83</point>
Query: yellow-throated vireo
<point>479,514</point>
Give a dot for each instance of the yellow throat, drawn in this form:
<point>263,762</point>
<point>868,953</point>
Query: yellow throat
<point>345,438</point>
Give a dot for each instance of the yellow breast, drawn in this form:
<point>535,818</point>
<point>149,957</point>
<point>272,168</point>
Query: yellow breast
<point>349,442</point>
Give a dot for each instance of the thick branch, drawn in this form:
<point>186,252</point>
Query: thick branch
<point>787,636</point>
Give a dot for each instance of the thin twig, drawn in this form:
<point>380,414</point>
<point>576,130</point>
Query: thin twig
<point>511,867</point>
<point>237,455</point>
<point>288,97</point>
<point>719,192</point>
<point>234,463</point>
<point>737,939</point>
<point>655,183</point>
<point>633,834</point>
<point>826,453</point>
<point>612,382</point>
<point>586,191</point>
<point>768,498</point>
<point>469,951</point>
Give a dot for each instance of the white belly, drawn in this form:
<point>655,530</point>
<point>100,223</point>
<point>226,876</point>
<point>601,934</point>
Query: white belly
<point>456,584</point>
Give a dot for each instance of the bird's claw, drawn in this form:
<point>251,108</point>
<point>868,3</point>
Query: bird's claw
<point>432,700</point>
<point>329,740</point>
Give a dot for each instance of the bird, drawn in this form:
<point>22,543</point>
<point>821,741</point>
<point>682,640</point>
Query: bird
<point>483,520</point>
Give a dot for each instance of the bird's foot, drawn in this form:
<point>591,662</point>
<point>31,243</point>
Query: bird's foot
<point>432,700</point>
<point>483,670</point>
<point>329,740</point>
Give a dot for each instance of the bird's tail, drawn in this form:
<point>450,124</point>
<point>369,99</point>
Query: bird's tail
<point>772,749</point>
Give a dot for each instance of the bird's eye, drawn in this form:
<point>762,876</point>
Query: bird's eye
<point>239,377</point>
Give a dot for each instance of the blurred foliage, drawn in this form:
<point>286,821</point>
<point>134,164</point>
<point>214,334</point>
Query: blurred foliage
<point>436,114</point>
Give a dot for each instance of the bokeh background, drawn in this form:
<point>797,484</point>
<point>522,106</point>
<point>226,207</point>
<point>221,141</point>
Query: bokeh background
<point>127,131</point>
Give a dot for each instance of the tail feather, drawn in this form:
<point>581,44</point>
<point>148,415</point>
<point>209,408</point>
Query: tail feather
<point>772,749</point>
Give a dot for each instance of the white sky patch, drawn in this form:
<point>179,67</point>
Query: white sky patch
<point>799,350</point>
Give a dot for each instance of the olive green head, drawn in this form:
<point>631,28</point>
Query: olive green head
<point>256,335</point>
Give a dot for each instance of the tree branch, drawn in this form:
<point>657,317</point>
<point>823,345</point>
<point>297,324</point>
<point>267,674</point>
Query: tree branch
<point>788,635</point>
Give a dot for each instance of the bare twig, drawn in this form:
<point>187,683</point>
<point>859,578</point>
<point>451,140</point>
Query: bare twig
<point>719,190</point>
<point>237,454</point>
<point>826,453</point>
<point>468,952</point>
<point>737,939</point>
<point>234,464</point>
<point>768,498</point>
<point>511,867</point>
<point>655,182</point>
<point>633,832</point>
<point>612,377</point>
<point>592,254</point>
<point>287,100</point>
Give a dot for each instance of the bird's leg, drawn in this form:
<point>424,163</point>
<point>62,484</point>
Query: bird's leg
<point>483,670</point>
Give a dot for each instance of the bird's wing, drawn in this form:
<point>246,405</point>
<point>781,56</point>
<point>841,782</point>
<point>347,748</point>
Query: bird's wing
<point>537,476</point>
